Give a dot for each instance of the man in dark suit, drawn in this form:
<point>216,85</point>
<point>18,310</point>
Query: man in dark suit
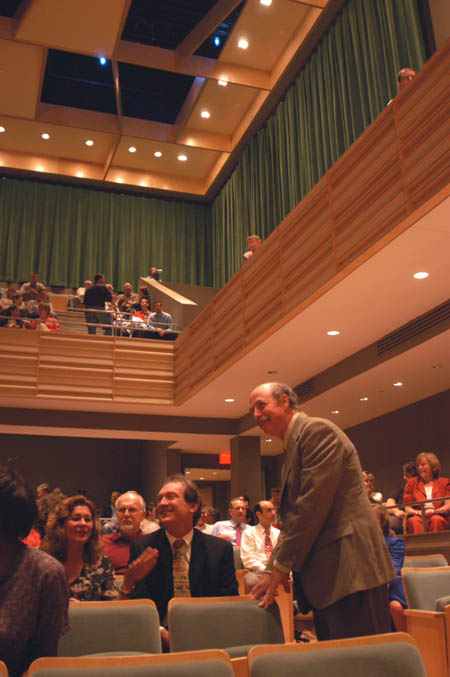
<point>208,561</point>
<point>330,538</point>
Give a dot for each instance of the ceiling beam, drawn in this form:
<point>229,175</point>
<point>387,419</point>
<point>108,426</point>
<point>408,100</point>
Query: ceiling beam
<point>188,106</point>
<point>204,28</point>
<point>196,66</point>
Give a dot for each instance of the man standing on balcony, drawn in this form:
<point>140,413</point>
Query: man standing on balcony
<point>95,298</point>
<point>254,243</point>
<point>329,538</point>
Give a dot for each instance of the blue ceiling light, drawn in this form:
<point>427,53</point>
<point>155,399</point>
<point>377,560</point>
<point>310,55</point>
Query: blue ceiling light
<point>217,41</point>
<point>102,60</point>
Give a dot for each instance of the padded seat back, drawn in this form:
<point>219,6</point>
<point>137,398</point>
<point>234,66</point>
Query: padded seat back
<point>222,624</point>
<point>398,659</point>
<point>423,587</point>
<point>111,626</point>
<point>425,561</point>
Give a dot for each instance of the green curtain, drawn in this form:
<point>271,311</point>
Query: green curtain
<point>67,234</point>
<point>344,86</point>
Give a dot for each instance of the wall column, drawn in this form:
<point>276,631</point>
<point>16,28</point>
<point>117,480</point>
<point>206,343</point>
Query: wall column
<point>157,463</point>
<point>246,474</point>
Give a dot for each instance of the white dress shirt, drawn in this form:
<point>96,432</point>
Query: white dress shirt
<point>253,547</point>
<point>228,528</point>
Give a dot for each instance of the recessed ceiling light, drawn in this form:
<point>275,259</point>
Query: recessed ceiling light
<point>214,472</point>
<point>421,275</point>
<point>229,399</point>
<point>266,3</point>
<point>102,60</point>
<point>39,168</point>
<point>80,175</point>
<point>217,41</point>
<point>144,184</point>
<point>119,180</point>
<point>89,142</point>
<point>182,158</point>
<point>437,366</point>
<point>132,149</point>
<point>157,153</point>
<point>187,472</point>
<point>335,411</point>
<point>222,83</point>
<point>205,114</point>
<point>2,129</point>
<point>243,43</point>
<point>272,371</point>
<point>45,136</point>
<point>333,332</point>
<point>363,399</point>
<point>269,439</point>
<point>397,384</point>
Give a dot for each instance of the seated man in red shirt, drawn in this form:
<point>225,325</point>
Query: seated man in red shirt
<point>130,509</point>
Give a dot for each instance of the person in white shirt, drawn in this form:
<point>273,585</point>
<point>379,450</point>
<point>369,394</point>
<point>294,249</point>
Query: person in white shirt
<point>233,529</point>
<point>257,544</point>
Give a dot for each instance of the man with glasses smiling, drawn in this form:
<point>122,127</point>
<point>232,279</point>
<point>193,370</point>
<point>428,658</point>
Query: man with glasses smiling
<point>178,560</point>
<point>130,510</point>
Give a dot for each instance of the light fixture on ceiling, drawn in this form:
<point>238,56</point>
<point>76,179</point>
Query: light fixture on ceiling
<point>144,184</point>
<point>363,399</point>
<point>45,136</point>
<point>187,472</point>
<point>397,384</point>
<point>157,153</point>
<point>205,114</point>
<point>80,175</point>
<point>89,142</point>
<point>2,129</point>
<point>182,158</point>
<point>229,399</point>
<point>102,60</point>
<point>421,275</point>
<point>333,332</point>
<point>217,41</point>
<point>39,168</point>
<point>242,43</point>
<point>119,179</point>
<point>132,149</point>
<point>269,439</point>
<point>335,411</point>
<point>222,83</point>
<point>201,478</point>
<point>266,3</point>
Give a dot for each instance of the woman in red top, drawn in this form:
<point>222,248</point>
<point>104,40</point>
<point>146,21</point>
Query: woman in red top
<point>427,485</point>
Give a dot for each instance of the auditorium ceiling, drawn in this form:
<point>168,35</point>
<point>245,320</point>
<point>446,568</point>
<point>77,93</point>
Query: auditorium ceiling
<point>143,95</point>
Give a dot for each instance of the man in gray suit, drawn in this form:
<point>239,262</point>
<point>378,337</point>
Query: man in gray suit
<point>330,538</point>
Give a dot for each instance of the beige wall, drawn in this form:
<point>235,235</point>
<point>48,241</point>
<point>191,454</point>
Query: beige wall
<point>440,18</point>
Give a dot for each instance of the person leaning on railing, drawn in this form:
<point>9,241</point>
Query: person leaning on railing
<point>427,485</point>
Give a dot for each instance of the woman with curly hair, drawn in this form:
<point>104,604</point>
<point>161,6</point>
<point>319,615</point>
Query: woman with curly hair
<point>73,537</point>
<point>427,485</point>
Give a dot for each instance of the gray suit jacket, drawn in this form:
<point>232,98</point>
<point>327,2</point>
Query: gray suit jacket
<point>330,535</point>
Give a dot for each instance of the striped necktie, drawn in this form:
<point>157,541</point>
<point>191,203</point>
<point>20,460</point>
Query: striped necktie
<point>268,547</point>
<point>180,570</point>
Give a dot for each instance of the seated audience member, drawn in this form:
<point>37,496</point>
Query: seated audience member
<point>178,560</point>
<point>95,300</point>
<point>161,324</point>
<point>32,284</point>
<point>54,499</point>
<point>257,544</point>
<point>150,523</point>
<point>43,297</point>
<point>396,547</point>
<point>396,515</point>
<point>43,492</point>
<point>110,511</point>
<point>16,318</point>
<point>404,77</point>
<point>212,515</point>
<point>81,290</point>
<point>130,509</point>
<point>143,292</point>
<point>7,299</point>
<point>33,591</point>
<point>73,538</point>
<point>232,529</point>
<point>122,319</point>
<point>44,322</point>
<point>141,319</point>
<point>373,496</point>
<point>202,524</point>
<point>154,273</point>
<point>427,485</point>
<point>32,303</point>
<point>254,242</point>
<point>127,295</point>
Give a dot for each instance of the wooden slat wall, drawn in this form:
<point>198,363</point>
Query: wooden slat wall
<point>83,367</point>
<point>401,161</point>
